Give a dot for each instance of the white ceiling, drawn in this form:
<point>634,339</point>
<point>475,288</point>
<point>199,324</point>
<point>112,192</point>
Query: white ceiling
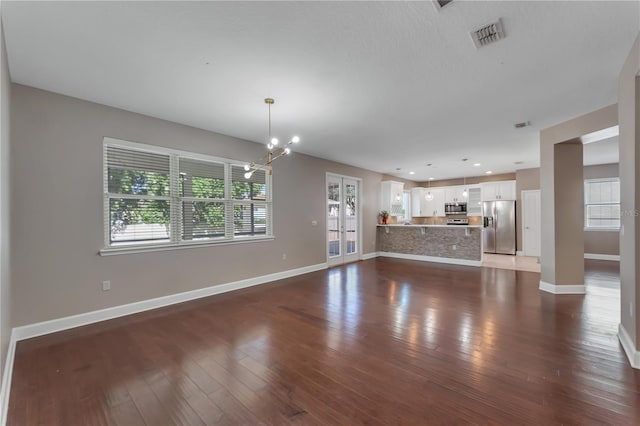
<point>380,85</point>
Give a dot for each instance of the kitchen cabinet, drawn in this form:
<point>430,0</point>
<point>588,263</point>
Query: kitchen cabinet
<point>425,205</point>
<point>417,197</point>
<point>455,194</point>
<point>391,197</point>
<point>493,191</point>
<point>474,203</point>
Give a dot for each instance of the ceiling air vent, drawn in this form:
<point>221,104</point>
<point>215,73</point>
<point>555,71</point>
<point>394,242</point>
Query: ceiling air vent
<point>487,34</point>
<point>442,3</point>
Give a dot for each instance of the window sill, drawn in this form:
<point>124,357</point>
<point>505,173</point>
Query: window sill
<point>602,229</point>
<point>113,251</point>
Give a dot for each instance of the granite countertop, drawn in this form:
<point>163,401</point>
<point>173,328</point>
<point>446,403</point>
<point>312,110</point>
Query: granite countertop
<point>431,226</point>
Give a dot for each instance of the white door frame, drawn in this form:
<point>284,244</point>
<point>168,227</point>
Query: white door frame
<point>522,229</point>
<point>333,262</point>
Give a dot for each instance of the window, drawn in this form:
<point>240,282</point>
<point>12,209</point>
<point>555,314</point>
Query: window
<point>602,203</point>
<point>157,196</point>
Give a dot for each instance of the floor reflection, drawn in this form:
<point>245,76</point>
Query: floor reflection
<point>343,304</point>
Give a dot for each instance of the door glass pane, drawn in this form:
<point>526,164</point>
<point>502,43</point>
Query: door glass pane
<point>351,225</point>
<point>333,218</point>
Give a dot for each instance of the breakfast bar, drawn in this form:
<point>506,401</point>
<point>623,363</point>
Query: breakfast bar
<point>461,244</point>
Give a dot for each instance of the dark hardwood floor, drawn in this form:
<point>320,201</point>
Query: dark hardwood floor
<point>383,341</point>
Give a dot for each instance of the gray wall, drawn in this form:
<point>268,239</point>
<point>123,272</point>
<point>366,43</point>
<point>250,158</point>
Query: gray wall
<point>5,276</point>
<point>629,121</point>
<point>560,266</point>
<point>598,242</point>
<point>57,202</point>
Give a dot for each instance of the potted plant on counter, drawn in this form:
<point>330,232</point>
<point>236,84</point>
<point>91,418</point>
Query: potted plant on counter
<point>384,215</point>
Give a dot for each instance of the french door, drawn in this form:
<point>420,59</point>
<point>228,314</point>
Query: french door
<point>343,219</point>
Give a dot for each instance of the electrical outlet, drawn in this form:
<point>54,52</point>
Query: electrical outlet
<point>631,309</point>
<point>284,256</point>
<point>106,285</point>
<point>455,247</point>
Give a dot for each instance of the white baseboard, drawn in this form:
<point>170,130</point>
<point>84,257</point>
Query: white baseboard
<point>629,348</point>
<point>562,289</point>
<point>430,258</point>
<point>60,324</point>
<point>368,256</point>
<point>5,389</point>
<point>597,256</point>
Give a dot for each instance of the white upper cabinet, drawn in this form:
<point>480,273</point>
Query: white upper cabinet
<point>455,194</point>
<point>493,191</point>
<point>435,206</point>
<point>427,202</point>
<point>391,197</point>
<point>417,195</point>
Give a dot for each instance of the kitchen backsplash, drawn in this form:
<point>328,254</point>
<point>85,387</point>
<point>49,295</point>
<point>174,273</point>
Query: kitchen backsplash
<point>442,220</point>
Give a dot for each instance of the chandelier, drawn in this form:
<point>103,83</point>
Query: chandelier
<point>273,150</point>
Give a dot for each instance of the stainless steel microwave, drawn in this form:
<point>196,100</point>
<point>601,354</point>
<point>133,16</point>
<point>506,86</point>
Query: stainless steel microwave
<point>455,208</point>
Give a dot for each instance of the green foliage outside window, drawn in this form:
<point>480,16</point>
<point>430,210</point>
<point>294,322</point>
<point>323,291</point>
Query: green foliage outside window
<point>207,218</point>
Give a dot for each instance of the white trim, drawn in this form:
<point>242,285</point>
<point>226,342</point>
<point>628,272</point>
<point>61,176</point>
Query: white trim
<point>629,348</point>
<point>562,289</point>
<point>6,379</point>
<point>60,324</point>
<point>597,256</point>
<point>448,260</point>
<point>368,256</point>
<point>519,253</point>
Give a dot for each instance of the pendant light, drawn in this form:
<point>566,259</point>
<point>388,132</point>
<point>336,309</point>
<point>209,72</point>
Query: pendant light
<point>429,195</point>
<point>465,193</point>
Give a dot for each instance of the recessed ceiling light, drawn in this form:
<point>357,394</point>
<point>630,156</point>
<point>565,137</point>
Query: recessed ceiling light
<point>465,159</point>
<point>488,172</point>
<point>429,165</point>
<point>412,173</point>
<point>398,168</point>
<point>518,162</point>
<point>476,165</point>
<point>431,178</point>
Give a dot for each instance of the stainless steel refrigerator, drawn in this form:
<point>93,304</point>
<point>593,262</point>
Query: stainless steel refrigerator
<point>499,221</point>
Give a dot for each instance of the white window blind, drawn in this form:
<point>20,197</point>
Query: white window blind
<point>158,196</point>
<point>602,203</point>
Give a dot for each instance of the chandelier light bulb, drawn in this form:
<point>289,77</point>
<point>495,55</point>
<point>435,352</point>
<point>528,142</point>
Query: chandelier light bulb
<point>273,151</point>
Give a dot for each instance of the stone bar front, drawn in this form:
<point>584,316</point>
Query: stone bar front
<point>447,244</point>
